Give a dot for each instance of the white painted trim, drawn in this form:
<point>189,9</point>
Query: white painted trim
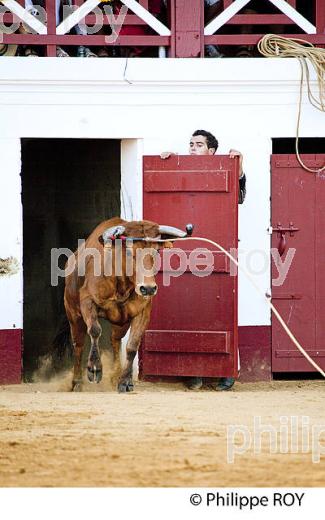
<point>75,17</point>
<point>25,16</point>
<point>296,17</point>
<point>11,232</point>
<point>131,200</point>
<point>228,75</point>
<point>155,24</point>
<point>224,17</point>
<point>131,179</point>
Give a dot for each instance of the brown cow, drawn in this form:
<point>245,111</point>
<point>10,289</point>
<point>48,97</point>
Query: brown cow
<point>122,297</point>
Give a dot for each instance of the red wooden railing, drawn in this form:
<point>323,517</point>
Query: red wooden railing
<point>289,29</point>
<point>51,39</point>
<point>186,22</point>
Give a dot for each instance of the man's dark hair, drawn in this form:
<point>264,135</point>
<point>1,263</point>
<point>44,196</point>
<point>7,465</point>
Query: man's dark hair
<point>212,142</point>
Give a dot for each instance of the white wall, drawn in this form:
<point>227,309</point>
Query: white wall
<point>131,179</point>
<point>154,105</point>
<point>11,298</point>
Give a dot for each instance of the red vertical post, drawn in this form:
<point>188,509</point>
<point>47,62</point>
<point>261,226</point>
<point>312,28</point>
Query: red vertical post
<point>10,356</point>
<point>172,25</point>
<point>320,16</point>
<point>51,26</point>
<point>189,29</point>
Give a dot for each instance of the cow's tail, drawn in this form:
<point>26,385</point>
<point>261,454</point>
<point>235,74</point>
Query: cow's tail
<point>62,351</point>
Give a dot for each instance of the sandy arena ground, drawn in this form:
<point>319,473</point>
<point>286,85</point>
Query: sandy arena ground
<point>161,435</point>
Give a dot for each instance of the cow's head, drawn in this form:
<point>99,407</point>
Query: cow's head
<point>141,241</point>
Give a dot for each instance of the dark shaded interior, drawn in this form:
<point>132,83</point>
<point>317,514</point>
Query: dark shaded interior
<point>68,187</point>
<point>296,376</point>
<point>287,145</point>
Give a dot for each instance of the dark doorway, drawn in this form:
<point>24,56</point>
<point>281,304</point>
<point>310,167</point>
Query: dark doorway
<point>68,187</point>
<point>287,145</point>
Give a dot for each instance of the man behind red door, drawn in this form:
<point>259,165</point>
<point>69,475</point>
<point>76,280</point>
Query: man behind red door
<point>204,143</point>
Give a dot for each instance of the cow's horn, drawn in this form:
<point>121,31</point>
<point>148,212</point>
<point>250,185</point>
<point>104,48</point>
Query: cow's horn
<point>172,231</point>
<point>113,232</point>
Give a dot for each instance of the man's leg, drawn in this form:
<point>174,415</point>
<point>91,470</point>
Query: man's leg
<point>194,383</point>
<point>226,383</point>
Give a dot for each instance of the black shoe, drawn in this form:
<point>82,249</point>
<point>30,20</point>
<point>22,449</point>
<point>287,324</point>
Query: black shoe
<point>225,383</point>
<point>194,383</point>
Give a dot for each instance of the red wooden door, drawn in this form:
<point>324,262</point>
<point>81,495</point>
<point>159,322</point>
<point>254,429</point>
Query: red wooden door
<point>298,201</point>
<point>193,329</point>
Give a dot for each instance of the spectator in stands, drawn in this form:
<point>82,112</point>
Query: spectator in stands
<point>157,8</point>
<point>8,50</point>
<point>211,9</point>
<point>214,7</point>
<point>60,53</point>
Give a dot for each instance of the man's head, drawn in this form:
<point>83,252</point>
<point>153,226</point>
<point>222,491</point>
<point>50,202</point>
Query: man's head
<point>203,143</point>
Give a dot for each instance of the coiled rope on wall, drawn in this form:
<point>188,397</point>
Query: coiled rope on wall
<point>275,46</point>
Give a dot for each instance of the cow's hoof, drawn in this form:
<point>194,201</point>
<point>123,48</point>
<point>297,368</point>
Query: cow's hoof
<point>94,374</point>
<point>76,386</point>
<point>126,386</point>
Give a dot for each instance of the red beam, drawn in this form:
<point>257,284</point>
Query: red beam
<point>51,26</point>
<point>239,19</point>
<point>75,39</point>
<point>10,356</point>
<point>260,19</point>
<point>320,16</point>
<point>189,29</point>
<point>252,39</point>
<point>90,19</point>
<point>172,25</point>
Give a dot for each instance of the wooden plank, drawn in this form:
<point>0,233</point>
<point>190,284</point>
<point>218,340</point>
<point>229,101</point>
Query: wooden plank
<point>172,23</point>
<point>319,253</point>
<point>253,39</point>
<point>209,181</point>
<point>188,20</point>
<point>314,354</point>
<point>50,6</point>
<point>187,341</point>
<point>169,257</point>
<point>260,19</point>
<point>10,356</point>
<point>76,39</point>
<point>320,16</point>
<point>189,29</point>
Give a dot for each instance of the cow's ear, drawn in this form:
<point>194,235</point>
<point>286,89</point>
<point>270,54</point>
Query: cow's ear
<point>101,240</point>
<point>167,245</point>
